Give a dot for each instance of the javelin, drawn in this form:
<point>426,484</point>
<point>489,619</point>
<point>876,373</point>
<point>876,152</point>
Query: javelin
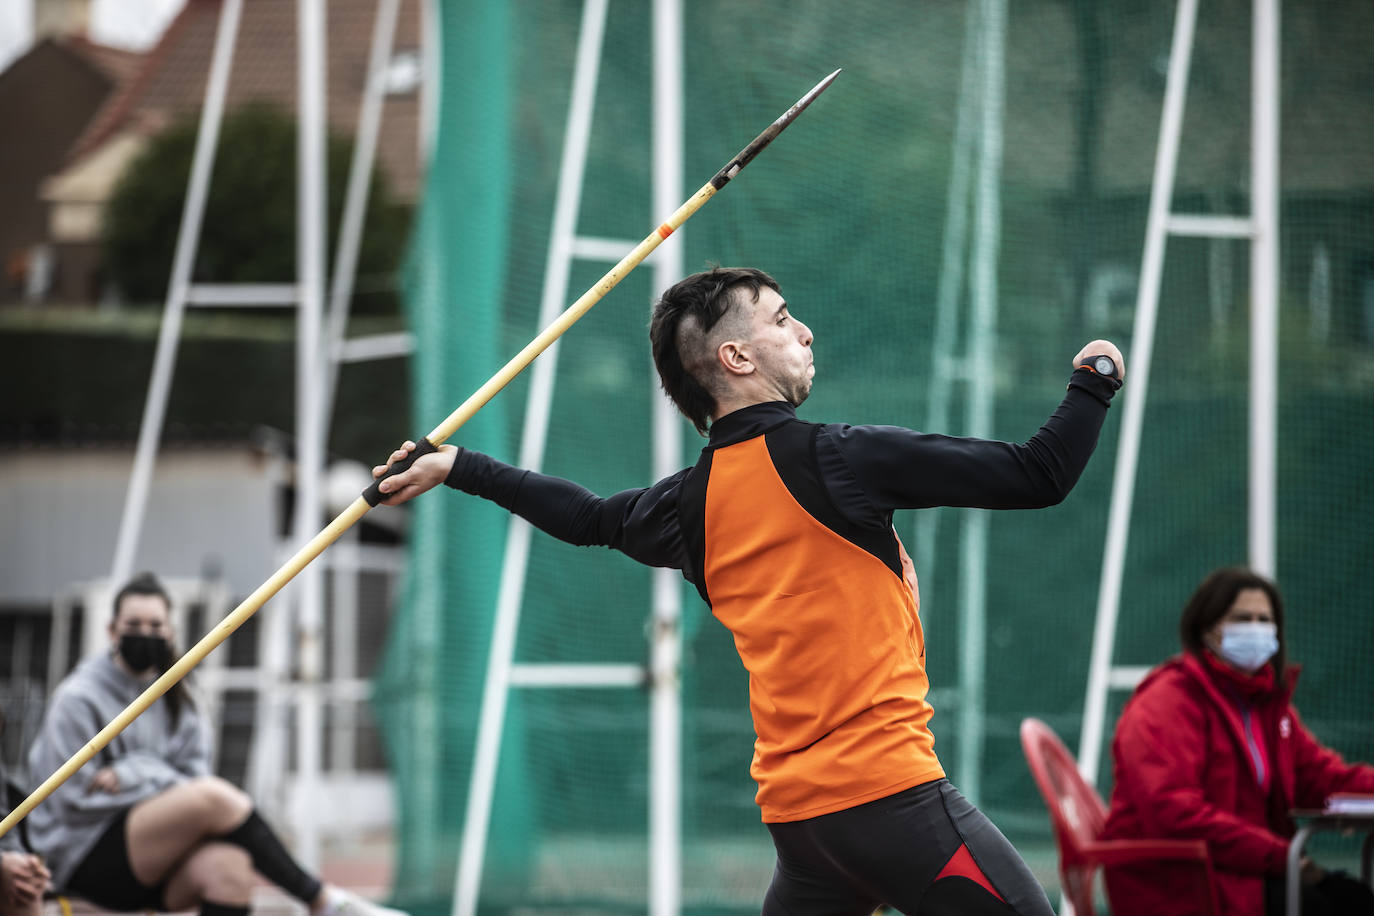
<point>372,495</point>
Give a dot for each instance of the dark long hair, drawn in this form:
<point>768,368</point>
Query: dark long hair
<point>702,301</point>
<point>1214,597</point>
<point>145,583</point>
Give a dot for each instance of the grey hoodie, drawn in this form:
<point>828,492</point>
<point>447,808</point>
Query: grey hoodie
<point>10,841</point>
<point>148,757</point>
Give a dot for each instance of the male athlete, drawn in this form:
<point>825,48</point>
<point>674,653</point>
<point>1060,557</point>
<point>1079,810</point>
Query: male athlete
<point>785,528</point>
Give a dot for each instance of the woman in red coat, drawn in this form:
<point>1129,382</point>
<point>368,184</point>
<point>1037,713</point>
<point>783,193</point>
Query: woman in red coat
<point>1211,747</point>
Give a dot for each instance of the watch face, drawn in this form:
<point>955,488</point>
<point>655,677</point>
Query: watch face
<point>1103,365</point>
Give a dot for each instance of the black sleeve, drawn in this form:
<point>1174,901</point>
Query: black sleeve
<point>900,468</point>
<point>641,523</point>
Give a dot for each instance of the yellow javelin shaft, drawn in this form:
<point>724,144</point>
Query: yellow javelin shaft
<point>360,506</point>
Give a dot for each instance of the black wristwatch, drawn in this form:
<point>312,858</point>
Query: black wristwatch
<point>1103,365</point>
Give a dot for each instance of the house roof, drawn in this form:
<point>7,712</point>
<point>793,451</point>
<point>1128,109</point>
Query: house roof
<point>170,83</point>
<point>118,64</point>
<point>48,96</point>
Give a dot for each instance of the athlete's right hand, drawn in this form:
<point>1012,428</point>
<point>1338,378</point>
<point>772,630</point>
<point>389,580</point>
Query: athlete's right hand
<point>427,472</point>
<point>1103,348</point>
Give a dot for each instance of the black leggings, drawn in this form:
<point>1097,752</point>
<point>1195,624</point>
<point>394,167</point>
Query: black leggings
<point>924,852</point>
<point>106,878</point>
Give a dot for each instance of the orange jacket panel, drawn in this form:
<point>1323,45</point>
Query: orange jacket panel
<point>832,642</point>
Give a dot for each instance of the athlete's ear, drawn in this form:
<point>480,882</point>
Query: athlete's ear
<point>734,358</point>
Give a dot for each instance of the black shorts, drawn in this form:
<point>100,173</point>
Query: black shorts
<point>106,878</point>
<point>925,850</point>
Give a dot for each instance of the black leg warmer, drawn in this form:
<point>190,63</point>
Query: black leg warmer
<point>272,860</point>
<point>210,908</point>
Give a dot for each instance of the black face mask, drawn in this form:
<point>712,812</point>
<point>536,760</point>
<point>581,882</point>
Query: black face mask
<point>143,652</point>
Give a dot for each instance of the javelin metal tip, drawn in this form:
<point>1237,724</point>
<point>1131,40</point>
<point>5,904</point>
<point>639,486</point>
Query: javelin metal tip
<point>815,91</point>
<point>747,154</point>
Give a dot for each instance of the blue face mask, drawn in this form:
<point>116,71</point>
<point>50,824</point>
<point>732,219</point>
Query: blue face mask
<point>1248,646</point>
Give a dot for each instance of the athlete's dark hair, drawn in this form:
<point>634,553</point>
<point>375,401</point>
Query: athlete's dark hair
<point>145,583</point>
<point>1214,597</point>
<point>683,318</point>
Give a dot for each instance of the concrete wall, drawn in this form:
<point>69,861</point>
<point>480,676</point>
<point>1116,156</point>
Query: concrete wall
<point>60,512</point>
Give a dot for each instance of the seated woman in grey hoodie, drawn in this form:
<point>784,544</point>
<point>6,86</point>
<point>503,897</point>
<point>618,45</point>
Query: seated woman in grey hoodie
<point>145,825</point>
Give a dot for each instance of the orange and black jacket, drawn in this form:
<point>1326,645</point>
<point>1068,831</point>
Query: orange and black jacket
<point>785,529</point>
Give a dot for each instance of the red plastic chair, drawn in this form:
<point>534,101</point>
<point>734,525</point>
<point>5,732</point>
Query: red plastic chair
<point>1078,815</point>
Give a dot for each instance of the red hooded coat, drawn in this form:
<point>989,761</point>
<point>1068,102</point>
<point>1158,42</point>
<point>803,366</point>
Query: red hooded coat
<point>1184,769</point>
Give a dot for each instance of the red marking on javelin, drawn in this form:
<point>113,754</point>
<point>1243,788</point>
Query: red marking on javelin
<point>664,231</point>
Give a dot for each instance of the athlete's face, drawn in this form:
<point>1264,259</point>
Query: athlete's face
<point>780,349</point>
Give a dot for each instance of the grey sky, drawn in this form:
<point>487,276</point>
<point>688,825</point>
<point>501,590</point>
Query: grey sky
<point>134,24</point>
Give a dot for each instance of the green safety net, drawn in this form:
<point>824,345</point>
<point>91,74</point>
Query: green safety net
<point>901,192</point>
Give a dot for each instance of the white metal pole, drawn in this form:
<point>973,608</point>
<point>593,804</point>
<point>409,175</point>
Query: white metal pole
<point>949,288</point>
<point>1264,285</point>
<point>267,763</point>
<point>192,215</point>
<point>431,63</point>
<point>310,242</point>
<point>491,719</point>
<point>982,351</point>
<point>972,651</point>
<point>1142,346</point>
<point>429,712</point>
<point>665,722</point>
<point>355,201</point>
<point>344,613</point>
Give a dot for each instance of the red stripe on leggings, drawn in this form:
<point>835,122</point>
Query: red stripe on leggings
<point>961,865</point>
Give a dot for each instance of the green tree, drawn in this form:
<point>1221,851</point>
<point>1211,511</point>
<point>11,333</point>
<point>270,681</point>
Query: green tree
<point>249,232</point>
